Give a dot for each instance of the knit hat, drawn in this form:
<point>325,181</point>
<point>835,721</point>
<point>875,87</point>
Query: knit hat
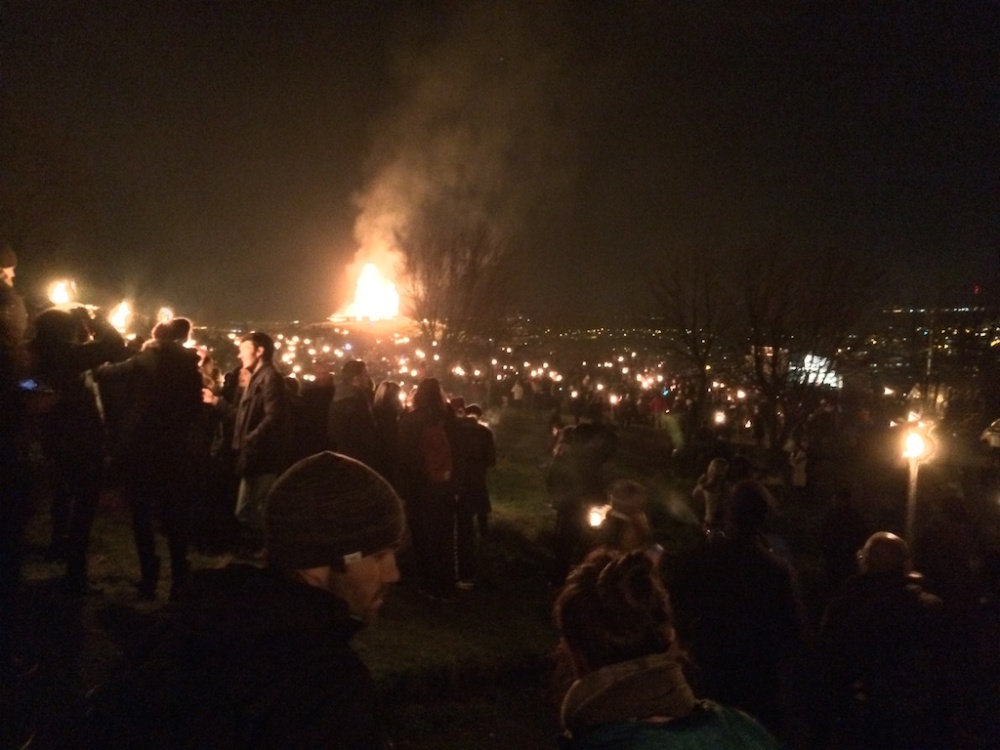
<point>8,258</point>
<point>329,508</point>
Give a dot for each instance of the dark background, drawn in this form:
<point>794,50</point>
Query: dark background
<point>230,158</point>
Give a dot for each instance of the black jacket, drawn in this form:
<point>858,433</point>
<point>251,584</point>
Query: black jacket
<point>263,424</point>
<point>250,658</point>
<point>162,386</point>
<point>351,424</point>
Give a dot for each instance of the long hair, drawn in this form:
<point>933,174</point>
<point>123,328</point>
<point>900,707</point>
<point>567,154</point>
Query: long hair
<point>430,395</point>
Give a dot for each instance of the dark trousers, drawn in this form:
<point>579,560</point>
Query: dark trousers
<point>76,490</point>
<point>465,542</point>
<point>432,524</point>
<point>159,493</point>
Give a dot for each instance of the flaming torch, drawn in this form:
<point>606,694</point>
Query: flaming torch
<point>119,316</point>
<point>61,292</point>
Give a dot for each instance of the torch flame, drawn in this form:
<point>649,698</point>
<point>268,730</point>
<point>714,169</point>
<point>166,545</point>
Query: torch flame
<point>375,296</point>
<point>119,316</point>
<point>61,292</point>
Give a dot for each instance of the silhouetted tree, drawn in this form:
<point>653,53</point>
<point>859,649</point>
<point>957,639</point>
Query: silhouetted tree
<point>693,299</point>
<point>793,306</point>
<point>461,287</point>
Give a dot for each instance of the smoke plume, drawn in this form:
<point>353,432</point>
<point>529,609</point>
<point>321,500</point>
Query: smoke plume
<point>481,133</point>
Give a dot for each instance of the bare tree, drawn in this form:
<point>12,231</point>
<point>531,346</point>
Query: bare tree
<point>461,286</point>
<point>693,301</point>
<point>798,311</point>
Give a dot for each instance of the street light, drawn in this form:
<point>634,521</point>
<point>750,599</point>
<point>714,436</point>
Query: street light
<point>915,449</point>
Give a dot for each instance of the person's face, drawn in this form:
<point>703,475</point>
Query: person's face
<point>250,355</point>
<point>363,381</point>
<point>7,275</point>
<point>363,585</point>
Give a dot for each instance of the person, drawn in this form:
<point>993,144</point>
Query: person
<point>387,408</point>
<point>576,481</point>
<point>67,345</point>
<point>15,505</point>
<point>739,611</point>
<point>164,389</point>
<point>711,493</point>
<point>628,690</point>
<point>261,435</point>
<point>478,449</point>
<point>351,423</point>
<point>316,395</point>
<point>427,448</point>
<point>886,654</point>
<point>260,657</point>
<point>626,526</point>
<point>13,313</point>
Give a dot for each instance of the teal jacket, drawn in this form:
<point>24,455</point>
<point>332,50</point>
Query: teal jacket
<point>709,727</point>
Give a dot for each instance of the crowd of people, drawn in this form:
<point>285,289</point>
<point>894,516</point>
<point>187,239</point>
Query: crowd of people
<point>322,485</point>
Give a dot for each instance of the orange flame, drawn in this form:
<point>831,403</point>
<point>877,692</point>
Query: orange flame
<point>375,297</point>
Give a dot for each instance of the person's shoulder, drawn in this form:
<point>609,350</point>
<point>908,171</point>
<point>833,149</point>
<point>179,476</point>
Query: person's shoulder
<point>721,727</point>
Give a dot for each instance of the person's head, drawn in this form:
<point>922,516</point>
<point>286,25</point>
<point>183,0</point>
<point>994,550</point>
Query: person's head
<point>627,496</point>
<point>335,524</point>
<point>626,526</point>
<point>457,405</point>
<point>180,329</point>
<point>429,395</point>
<point>8,262</point>
<point>717,469</point>
<point>387,396</point>
<point>59,326</point>
<point>355,372</point>
<point>162,332</point>
<point>884,552</point>
<point>255,347</point>
<point>613,608</point>
<point>750,507</point>
<point>474,410</point>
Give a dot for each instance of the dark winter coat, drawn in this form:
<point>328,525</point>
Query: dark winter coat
<point>477,451</point>
<point>738,610</point>
<point>249,659</point>
<point>72,429</point>
<point>163,399</point>
<point>351,424</point>
<point>428,449</point>
<point>884,644</point>
<point>262,434</point>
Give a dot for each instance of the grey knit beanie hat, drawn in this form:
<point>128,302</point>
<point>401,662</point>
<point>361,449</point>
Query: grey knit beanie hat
<point>329,508</point>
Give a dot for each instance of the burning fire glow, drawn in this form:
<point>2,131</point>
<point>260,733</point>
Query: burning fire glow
<point>375,297</point>
<point>61,292</point>
<point>119,316</point>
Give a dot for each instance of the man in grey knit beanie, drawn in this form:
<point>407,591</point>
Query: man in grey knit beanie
<point>333,523</point>
<point>260,657</point>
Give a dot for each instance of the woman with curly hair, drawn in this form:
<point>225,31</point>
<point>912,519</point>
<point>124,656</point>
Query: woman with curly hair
<point>629,691</point>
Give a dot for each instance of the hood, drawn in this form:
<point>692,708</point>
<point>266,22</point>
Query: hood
<point>650,687</point>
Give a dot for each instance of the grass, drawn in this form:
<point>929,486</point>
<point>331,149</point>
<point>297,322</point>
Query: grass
<point>450,675</point>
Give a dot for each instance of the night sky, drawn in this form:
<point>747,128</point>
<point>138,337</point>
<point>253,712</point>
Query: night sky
<point>231,158</point>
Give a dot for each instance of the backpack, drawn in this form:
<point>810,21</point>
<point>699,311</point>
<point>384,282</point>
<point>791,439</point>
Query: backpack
<point>435,451</point>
